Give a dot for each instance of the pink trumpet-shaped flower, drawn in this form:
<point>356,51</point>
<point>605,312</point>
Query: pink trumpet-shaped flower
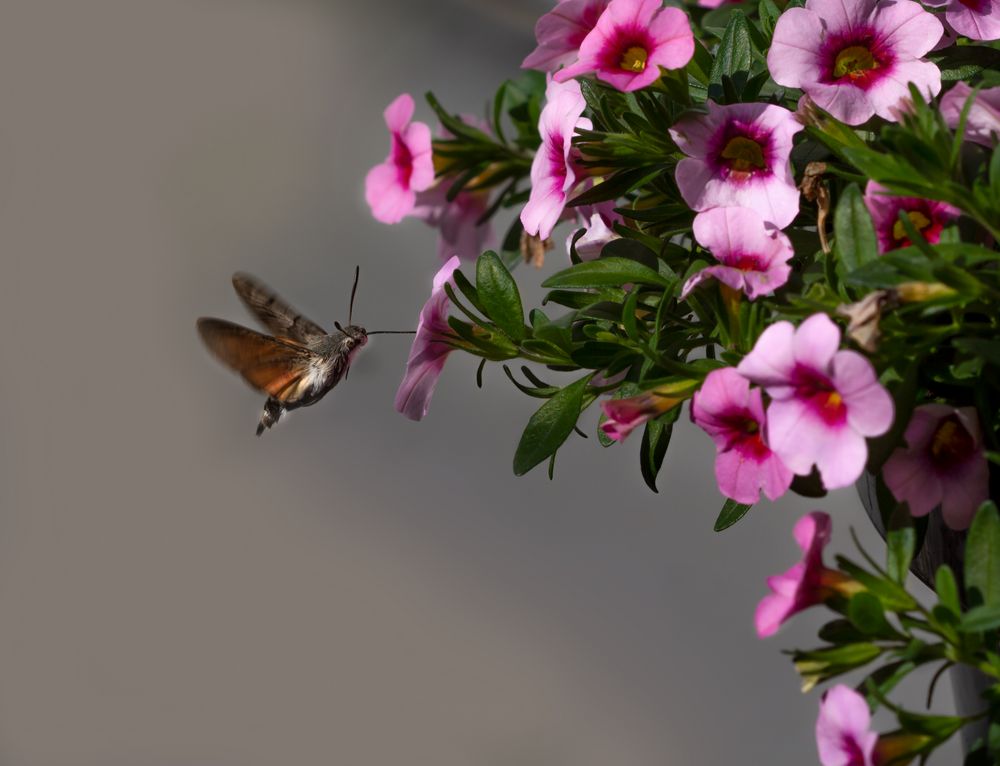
<point>807,583</point>
<point>976,19</point>
<point>942,464</point>
<point>625,415</point>
<point>929,217</point>
<point>856,58</point>
<point>631,41</point>
<point>982,126</point>
<point>825,402</point>
<point>456,221</point>
<point>391,188</point>
<point>598,223</point>
<point>843,729</point>
<point>737,156</point>
<point>560,32</point>
<point>733,415</point>
<point>554,169</point>
<point>754,259</point>
<point>430,349</point>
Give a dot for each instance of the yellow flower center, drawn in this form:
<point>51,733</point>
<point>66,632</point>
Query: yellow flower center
<point>744,154</point>
<point>634,59</point>
<point>919,221</point>
<point>854,62</point>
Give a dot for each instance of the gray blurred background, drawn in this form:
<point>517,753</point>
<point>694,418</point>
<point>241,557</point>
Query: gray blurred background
<point>353,588</point>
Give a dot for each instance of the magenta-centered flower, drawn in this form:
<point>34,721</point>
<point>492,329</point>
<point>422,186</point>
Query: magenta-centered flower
<point>753,258</point>
<point>843,729</point>
<point>625,415</point>
<point>807,583</point>
<point>391,188</point>
<point>631,41</point>
<point>824,402</point>
<point>598,223</point>
<point>977,19</point>
<point>737,156</point>
<point>942,464</point>
<point>430,348</point>
<point>733,416</point>
<point>456,221</point>
<point>982,125</point>
<point>554,172</point>
<point>855,58</point>
<point>560,32</point>
<point>929,217</point>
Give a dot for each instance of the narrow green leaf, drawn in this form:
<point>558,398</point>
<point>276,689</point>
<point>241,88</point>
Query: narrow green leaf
<point>550,426</point>
<point>855,242</point>
<point>982,557</point>
<point>980,619</point>
<point>606,272</point>
<point>866,613</point>
<point>901,542</point>
<point>652,450</point>
<point>947,589</point>
<point>735,50</point>
<point>731,513</point>
<point>499,295</point>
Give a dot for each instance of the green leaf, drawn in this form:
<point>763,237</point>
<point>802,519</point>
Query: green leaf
<point>768,13</point>
<point>655,440</point>
<point>731,513</point>
<point>962,63</point>
<point>855,242</point>
<point>550,426</point>
<point>735,50</point>
<point>979,619</point>
<point>606,272</point>
<point>499,295</point>
<point>982,557</point>
<point>947,589</point>
<point>866,613</point>
<point>901,542</point>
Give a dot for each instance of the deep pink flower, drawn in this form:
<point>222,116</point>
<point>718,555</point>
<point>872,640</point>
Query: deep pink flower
<point>737,156</point>
<point>554,169</point>
<point>456,221</point>
<point>929,217</point>
<point>855,58</point>
<point>843,729</point>
<point>631,41</point>
<point>977,19</point>
<point>807,583</point>
<point>754,259</point>
<point>560,32</point>
<point>429,350</point>
<point>825,402</point>
<point>391,188</point>
<point>598,222</point>
<point>982,126</point>
<point>942,464</point>
<point>733,416</point>
<point>714,3</point>
<point>625,415</point>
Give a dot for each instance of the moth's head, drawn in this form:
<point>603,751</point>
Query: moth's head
<point>357,334</point>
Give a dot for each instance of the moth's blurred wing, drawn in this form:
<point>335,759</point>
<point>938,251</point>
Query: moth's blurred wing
<point>277,316</point>
<point>272,366</point>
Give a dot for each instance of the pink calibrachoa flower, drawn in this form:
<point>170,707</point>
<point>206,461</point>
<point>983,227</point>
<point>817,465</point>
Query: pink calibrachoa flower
<point>429,350</point>
<point>929,217</point>
<point>982,126</point>
<point>942,464</point>
<point>843,729</point>
<point>391,188</point>
<point>855,58</point>
<point>456,220</point>
<point>733,416</point>
<point>977,19</point>
<point>714,3</point>
<point>560,32</point>
<point>737,156</point>
<point>807,583</point>
<point>598,222</point>
<point>754,259</point>
<point>824,402</point>
<point>625,415</point>
<point>554,172</point>
<point>631,41</point>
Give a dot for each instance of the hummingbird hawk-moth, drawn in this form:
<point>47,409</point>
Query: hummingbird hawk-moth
<point>297,365</point>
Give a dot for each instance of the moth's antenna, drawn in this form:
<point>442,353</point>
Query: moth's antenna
<point>392,332</point>
<point>350,312</point>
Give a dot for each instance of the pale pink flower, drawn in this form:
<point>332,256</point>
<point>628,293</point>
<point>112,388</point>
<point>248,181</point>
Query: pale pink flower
<point>942,464</point>
<point>843,729</point>
<point>855,58</point>
<point>714,3</point>
<point>598,222</point>
<point>976,19</point>
<point>456,221</point>
<point>560,32</point>
<point>807,583</point>
<point>733,416</point>
<point>929,217</point>
<point>430,348</point>
<point>625,415</point>
<point>391,188</point>
<point>737,156</point>
<point>631,41</point>
<point>554,171</point>
<point>824,402</point>
<point>753,258</point>
<point>982,126</point>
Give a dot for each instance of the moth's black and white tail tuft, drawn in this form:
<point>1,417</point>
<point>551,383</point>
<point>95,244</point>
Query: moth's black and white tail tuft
<point>273,410</point>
